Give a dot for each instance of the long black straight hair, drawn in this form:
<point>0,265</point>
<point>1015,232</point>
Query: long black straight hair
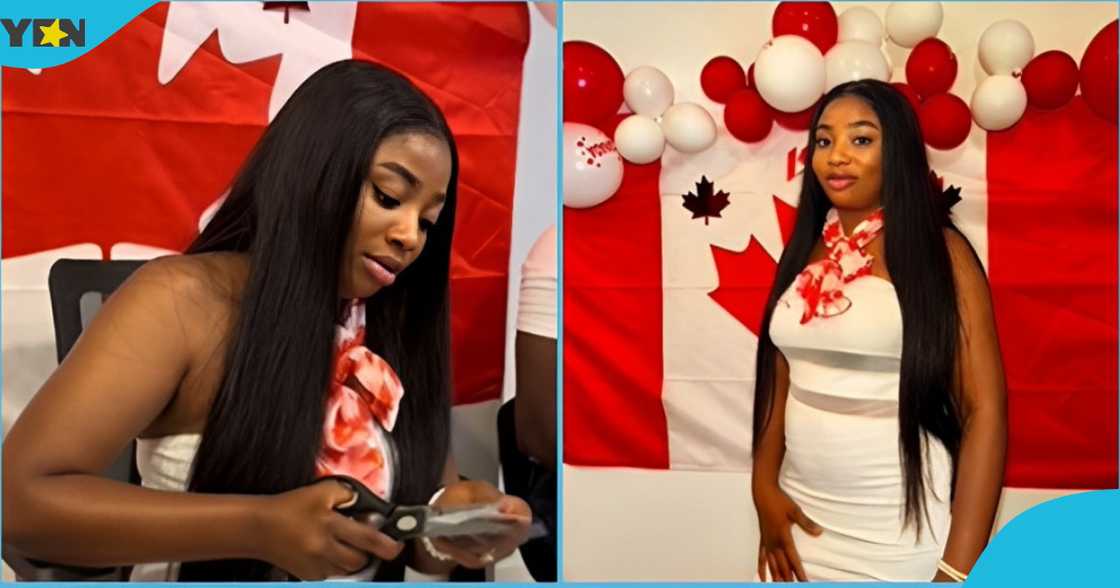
<point>291,208</point>
<point>920,267</point>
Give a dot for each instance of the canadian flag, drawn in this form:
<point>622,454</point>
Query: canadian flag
<point>127,151</point>
<point>662,307</point>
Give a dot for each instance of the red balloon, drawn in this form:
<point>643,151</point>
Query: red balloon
<point>722,77</point>
<point>815,21</point>
<point>750,77</point>
<point>931,67</point>
<point>1050,79</point>
<point>945,121</point>
<point>910,94</point>
<point>1098,73</point>
<point>747,116</point>
<point>592,83</point>
<point>795,121</point>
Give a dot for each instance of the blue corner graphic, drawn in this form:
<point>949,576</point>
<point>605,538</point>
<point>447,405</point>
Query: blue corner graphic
<point>46,33</point>
<point>1069,541</point>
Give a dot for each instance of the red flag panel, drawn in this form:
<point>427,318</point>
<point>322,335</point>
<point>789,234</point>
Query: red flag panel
<point>1052,249</point>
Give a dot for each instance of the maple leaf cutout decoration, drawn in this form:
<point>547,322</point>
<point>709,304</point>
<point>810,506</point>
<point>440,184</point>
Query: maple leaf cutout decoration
<point>706,202</point>
<point>949,197</point>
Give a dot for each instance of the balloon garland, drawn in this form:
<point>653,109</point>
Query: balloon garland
<point>812,51</point>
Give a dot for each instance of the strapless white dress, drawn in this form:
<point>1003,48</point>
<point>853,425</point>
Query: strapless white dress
<point>165,464</point>
<point>842,464</point>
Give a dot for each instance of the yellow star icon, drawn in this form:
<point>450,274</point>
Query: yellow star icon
<point>52,34</point>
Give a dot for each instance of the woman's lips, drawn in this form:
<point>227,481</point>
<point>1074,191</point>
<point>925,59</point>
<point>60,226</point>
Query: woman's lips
<point>840,182</point>
<point>379,272</point>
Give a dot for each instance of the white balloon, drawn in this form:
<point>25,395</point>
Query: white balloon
<point>639,139</point>
<point>592,166</point>
<point>909,23</point>
<point>860,24</point>
<point>1006,46</point>
<point>648,91</point>
<point>688,127</point>
<point>789,73</point>
<point>998,102</point>
<point>854,60</point>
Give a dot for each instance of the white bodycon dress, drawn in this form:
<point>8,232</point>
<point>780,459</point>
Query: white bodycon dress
<point>842,464</point>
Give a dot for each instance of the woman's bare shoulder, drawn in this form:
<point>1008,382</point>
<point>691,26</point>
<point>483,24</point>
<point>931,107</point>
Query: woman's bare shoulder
<point>191,290</point>
<point>204,277</point>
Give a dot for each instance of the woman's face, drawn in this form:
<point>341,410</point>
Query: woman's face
<point>401,200</point>
<point>848,160</point>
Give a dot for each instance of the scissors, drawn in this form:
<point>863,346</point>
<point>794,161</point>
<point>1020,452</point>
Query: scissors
<point>409,522</point>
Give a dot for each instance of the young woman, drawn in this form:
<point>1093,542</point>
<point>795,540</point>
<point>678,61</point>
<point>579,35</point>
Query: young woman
<point>304,333</point>
<point>879,401</point>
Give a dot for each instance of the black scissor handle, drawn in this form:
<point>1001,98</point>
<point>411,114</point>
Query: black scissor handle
<point>365,502</point>
<point>400,522</point>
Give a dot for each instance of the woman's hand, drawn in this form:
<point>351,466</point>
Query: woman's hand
<point>302,534</point>
<point>776,551</point>
<point>480,550</point>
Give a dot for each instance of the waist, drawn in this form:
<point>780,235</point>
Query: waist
<point>843,375</point>
<point>845,470</point>
<point>853,454</point>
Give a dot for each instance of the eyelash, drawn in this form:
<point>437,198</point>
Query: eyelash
<point>389,203</point>
<point>868,139</point>
<point>384,199</point>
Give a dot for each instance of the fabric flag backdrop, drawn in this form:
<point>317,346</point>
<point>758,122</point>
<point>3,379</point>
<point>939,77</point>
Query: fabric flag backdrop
<point>127,151</point>
<point>662,308</point>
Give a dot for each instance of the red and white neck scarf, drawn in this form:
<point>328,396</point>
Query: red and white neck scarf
<point>821,283</point>
<point>365,394</point>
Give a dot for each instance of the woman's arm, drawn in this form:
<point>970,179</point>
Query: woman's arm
<point>777,553</point>
<point>983,399</point>
<point>119,376</point>
<point>771,445</point>
<point>535,409</point>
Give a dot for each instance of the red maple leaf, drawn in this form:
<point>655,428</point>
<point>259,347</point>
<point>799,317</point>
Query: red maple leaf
<point>745,277</point>
<point>706,202</point>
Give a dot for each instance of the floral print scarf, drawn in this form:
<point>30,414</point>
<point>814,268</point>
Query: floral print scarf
<point>362,405</point>
<point>821,283</point>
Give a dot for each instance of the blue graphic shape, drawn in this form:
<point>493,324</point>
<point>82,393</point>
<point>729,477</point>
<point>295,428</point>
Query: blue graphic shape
<point>85,22</point>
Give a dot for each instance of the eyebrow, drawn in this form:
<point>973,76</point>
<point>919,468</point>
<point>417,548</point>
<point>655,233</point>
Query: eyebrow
<point>858,123</point>
<point>401,171</point>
